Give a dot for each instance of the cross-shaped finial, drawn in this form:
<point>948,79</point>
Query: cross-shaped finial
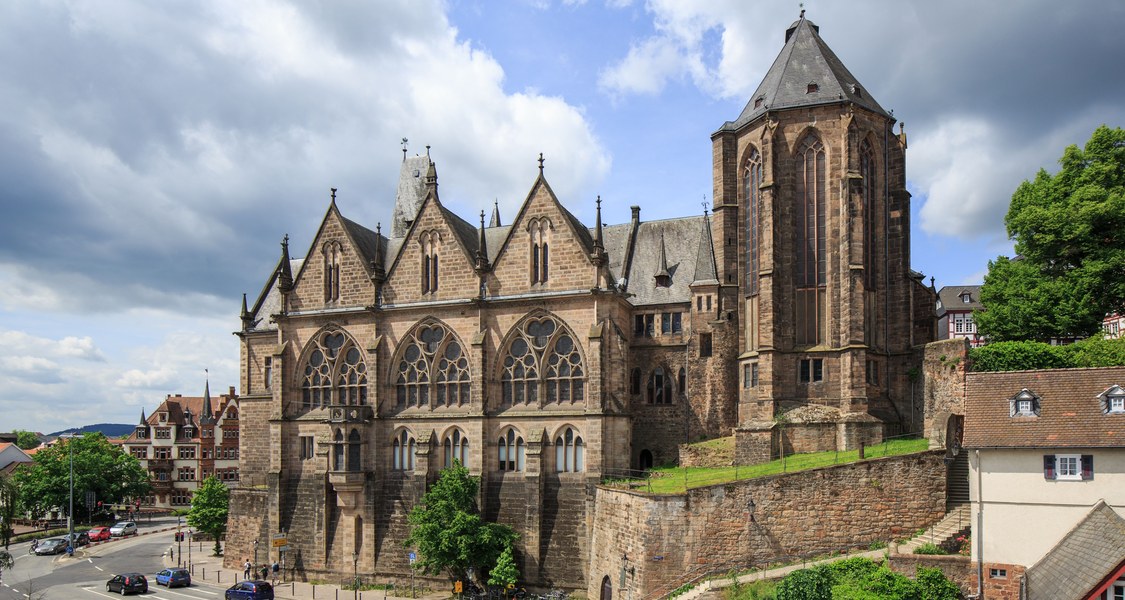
<point>333,195</point>
<point>285,240</point>
<point>704,204</point>
<point>599,200</point>
<point>404,140</point>
<point>802,5</point>
<point>540,163</point>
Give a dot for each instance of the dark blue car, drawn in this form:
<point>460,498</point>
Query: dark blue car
<point>250,590</point>
<point>173,578</point>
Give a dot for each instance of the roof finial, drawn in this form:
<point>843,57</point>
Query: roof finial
<point>427,151</point>
<point>802,5</point>
<point>540,163</point>
<point>599,246</point>
<point>404,140</point>
<point>333,195</point>
<point>704,204</point>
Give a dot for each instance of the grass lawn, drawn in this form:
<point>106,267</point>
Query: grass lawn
<point>677,480</point>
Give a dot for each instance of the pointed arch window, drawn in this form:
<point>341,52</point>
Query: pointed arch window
<point>334,372</point>
<point>403,451</point>
<point>540,232</point>
<point>570,453</point>
<point>542,354</point>
<point>355,462</point>
<point>511,451</point>
<point>811,243</point>
<point>332,252</point>
<point>870,240</point>
<point>752,182</point>
<point>681,381</point>
<point>432,365</point>
<point>659,387</point>
<point>431,246</point>
<point>455,447</point>
<point>338,451</point>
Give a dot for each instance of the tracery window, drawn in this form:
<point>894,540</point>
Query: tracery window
<point>570,454</point>
<point>540,230</point>
<point>432,358</point>
<point>455,447</point>
<point>870,242</point>
<point>542,352</point>
<point>752,183</point>
<point>431,246</point>
<point>659,387</point>
<point>403,452</point>
<point>332,252</point>
<point>811,247</point>
<point>334,358</point>
<point>511,451</point>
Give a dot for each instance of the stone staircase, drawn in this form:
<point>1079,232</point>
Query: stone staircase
<point>956,522</point>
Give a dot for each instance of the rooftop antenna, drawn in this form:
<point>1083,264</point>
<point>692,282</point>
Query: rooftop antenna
<point>404,140</point>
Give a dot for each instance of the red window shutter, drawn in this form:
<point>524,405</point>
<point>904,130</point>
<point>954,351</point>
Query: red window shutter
<point>1087,467</point>
<point>1049,466</point>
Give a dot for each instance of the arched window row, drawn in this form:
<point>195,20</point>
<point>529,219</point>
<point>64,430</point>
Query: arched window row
<point>511,451</point>
<point>334,372</point>
<point>542,364</point>
<point>347,451</point>
<point>432,370</point>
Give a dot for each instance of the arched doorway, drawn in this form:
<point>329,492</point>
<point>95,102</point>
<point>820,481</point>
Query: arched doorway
<point>645,460</point>
<point>607,588</point>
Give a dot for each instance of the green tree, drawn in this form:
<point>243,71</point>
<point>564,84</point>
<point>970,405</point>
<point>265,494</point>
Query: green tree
<point>209,509</point>
<point>1069,230</point>
<point>505,574</point>
<point>806,584</point>
<point>933,585</point>
<point>26,440</point>
<point>9,501</point>
<point>99,466</point>
<point>448,530</point>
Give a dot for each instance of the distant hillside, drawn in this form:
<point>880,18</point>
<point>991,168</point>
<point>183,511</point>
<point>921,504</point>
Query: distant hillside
<point>111,430</point>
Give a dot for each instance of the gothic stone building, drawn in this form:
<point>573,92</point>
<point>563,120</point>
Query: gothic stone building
<point>545,354</point>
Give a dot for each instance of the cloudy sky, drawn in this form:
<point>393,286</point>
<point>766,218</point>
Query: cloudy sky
<point>153,154</point>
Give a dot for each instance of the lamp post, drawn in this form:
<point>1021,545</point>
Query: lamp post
<point>255,551</point>
<point>355,574</point>
<point>70,513</point>
<point>179,543</point>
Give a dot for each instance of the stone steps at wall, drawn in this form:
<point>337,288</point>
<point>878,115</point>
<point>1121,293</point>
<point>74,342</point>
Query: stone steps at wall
<point>956,521</point>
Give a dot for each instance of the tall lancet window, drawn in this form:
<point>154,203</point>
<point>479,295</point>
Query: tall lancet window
<point>811,246</point>
<point>870,241</point>
<point>332,252</point>
<point>752,183</point>
<point>431,246</point>
<point>540,231</point>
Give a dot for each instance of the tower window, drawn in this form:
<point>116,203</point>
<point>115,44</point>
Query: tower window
<point>812,256</point>
<point>812,88</point>
<point>704,345</point>
<point>267,376</point>
<point>811,370</point>
<point>752,185</point>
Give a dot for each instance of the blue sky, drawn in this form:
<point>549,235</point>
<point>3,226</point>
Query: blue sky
<point>152,155</point>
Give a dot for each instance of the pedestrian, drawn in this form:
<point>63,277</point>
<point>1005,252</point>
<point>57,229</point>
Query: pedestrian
<point>276,570</point>
<point>246,569</point>
<point>265,572</point>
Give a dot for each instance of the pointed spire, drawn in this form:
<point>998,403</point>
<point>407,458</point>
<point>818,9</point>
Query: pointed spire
<point>663,277</point>
<point>482,249</point>
<point>247,320</point>
<point>495,220</point>
<point>144,421</point>
<point>207,416</point>
<point>599,246</point>
<point>378,272</point>
<point>705,270</point>
<point>284,273</point>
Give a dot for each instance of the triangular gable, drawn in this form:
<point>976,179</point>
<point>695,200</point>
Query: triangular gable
<point>356,240</point>
<point>460,235</point>
<point>564,222</point>
<point>1082,560</point>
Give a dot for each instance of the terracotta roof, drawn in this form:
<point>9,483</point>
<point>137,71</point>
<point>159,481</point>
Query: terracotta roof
<point>4,446</point>
<point>1070,413</point>
<point>1082,559</point>
<point>176,407</point>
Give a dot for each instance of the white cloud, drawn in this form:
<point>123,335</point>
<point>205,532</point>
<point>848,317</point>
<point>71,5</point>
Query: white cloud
<point>82,347</point>
<point>161,378</point>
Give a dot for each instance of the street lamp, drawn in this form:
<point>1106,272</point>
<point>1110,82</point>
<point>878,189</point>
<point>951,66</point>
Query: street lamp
<point>70,513</point>
<point>355,573</point>
<point>179,543</point>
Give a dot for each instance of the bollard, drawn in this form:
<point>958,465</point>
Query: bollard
<point>292,588</point>
<point>204,573</point>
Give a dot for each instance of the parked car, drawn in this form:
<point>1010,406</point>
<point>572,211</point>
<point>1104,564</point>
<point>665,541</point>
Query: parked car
<point>123,528</point>
<point>98,534</point>
<point>173,578</point>
<point>51,546</point>
<point>81,538</point>
<point>250,590</point>
<point>127,582</point>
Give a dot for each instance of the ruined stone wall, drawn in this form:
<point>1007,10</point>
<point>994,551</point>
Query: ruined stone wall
<point>943,379</point>
<point>670,539</point>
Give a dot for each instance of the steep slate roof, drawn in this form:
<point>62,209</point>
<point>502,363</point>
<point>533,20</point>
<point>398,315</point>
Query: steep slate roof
<point>1082,559</point>
<point>269,301</point>
<point>411,192</point>
<point>683,238</point>
<point>1070,413</point>
<point>804,59</point>
<point>365,240</point>
<point>949,298</point>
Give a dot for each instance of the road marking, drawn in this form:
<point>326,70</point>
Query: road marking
<point>93,591</point>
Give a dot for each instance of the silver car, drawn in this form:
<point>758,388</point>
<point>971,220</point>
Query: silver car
<point>123,528</point>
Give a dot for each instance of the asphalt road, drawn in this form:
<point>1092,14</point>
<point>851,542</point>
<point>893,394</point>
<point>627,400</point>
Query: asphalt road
<point>84,577</point>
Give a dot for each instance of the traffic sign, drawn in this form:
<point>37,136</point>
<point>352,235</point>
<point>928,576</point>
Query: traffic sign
<point>413,557</point>
<point>280,541</point>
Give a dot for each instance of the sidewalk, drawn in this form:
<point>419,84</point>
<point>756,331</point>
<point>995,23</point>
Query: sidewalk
<point>209,571</point>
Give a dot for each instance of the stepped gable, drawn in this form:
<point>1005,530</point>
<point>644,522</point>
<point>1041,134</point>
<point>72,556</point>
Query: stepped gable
<point>682,239</point>
<point>804,62</point>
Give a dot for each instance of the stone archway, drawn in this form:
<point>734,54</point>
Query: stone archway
<point>644,461</point>
<point>607,589</point>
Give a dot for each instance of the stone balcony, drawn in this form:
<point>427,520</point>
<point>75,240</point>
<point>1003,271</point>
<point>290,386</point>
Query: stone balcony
<point>349,488</point>
<point>352,413</point>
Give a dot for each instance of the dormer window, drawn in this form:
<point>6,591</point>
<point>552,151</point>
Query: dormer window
<point>758,102</point>
<point>1024,404</point>
<point>812,88</point>
<point>966,297</point>
<point>1112,400</point>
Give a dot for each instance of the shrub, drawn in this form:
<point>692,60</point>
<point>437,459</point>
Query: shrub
<point>933,585</point>
<point>806,584</point>
<point>1021,356</point>
<point>929,548</point>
